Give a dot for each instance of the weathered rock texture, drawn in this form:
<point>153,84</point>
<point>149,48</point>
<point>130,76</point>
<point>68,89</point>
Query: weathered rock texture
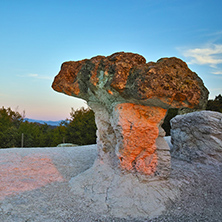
<point>130,99</point>
<point>197,136</point>
<point>106,191</point>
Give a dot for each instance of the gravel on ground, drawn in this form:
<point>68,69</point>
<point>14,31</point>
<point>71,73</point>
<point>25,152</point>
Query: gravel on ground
<point>34,186</point>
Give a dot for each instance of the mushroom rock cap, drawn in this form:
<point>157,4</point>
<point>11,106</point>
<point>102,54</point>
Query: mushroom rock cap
<point>127,78</point>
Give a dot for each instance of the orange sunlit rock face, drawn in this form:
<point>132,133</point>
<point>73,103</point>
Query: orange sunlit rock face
<point>138,126</point>
<point>68,77</point>
<point>19,174</point>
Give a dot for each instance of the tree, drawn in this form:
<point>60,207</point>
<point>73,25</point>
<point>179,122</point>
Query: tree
<point>81,128</point>
<point>58,134</point>
<point>219,98</point>
<point>216,104</point>
<point>31,134</point>
<point>9,124</point>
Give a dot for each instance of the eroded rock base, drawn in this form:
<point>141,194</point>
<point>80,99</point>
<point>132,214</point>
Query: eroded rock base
<point>131,137</point>
<point>110,192</point>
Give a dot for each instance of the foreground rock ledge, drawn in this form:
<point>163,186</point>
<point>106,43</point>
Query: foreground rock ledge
<point>130,99</point>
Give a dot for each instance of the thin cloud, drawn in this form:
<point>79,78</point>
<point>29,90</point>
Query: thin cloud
<point>217,72</point>
<point>33,75</point>
<point>210,55</point>
<point>36,76</point>
<point>218,33</point>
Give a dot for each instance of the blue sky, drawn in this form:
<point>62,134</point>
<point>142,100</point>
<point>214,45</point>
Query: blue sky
<point>36,37</point>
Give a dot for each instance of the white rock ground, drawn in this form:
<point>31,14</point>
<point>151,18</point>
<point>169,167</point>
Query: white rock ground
<point>49,197</point>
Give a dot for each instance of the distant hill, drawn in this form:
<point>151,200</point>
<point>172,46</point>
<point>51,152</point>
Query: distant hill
<point>50,123</point>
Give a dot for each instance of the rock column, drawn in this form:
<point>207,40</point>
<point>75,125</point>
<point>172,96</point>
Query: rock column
<point>137,128</point>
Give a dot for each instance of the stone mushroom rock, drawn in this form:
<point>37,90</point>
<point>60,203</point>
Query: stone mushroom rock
<point>130,98</point>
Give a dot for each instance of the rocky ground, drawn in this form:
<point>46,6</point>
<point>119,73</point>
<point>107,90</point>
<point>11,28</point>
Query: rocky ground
<point>34,186</point>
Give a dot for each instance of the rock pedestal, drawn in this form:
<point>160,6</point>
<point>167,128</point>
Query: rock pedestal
<point>131,137</point>
<point>130,99</point>
<point>136,128</point>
